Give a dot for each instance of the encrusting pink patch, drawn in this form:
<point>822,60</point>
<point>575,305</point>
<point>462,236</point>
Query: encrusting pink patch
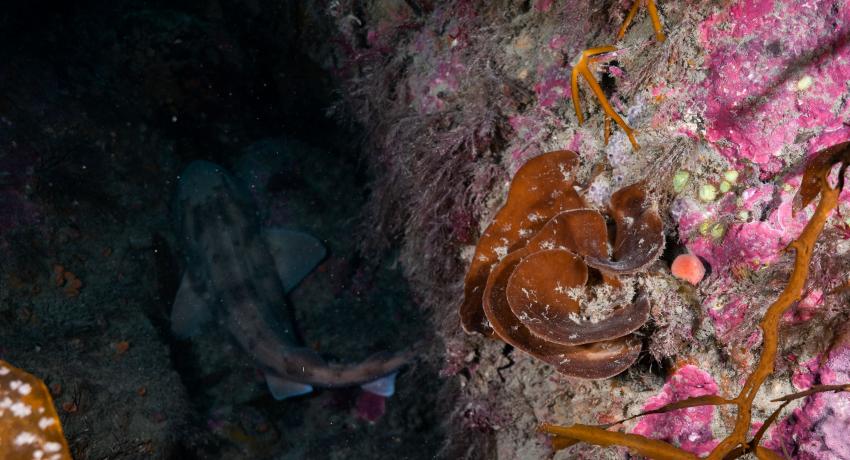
<point>688,428</point>
<point>817,430</point>
<point>776,71</point>
<point>728,318</point>
<point>759,240</point>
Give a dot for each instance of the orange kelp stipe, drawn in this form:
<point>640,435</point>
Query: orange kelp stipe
<point>29,426</point>
<point>582,69</point>
<point>653,15</point>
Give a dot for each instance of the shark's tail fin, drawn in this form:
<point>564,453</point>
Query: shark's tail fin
<point>303,368</point>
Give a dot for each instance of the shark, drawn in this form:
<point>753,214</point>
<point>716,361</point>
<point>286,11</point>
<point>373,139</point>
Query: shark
<point>238,275</point>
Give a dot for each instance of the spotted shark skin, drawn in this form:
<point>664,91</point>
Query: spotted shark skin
<point>238,275</point>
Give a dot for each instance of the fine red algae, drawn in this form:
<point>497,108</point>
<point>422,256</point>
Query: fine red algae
<point>441,85</point>
<point>688,428</point>
<point>776,69</point>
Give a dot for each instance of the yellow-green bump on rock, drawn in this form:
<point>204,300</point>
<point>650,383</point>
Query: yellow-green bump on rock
<point>718,230</point>
<point>680,179</point>
<point>707,192</point>
<point>804,83</point>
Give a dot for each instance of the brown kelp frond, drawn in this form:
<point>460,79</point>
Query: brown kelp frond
<point>562,442</point>
<point>813,390</point>
<point>522,281</point>
<point>787,399</point>
<point>582,69</point>
<point>541,189</point>
<point>696,401</point>
<point>593,361</point>
<point>817,171</point>
<point>640,232</point>
<point>734,445</point>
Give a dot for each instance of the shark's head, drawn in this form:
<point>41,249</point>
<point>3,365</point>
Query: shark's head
<point>211,202</point>
<point>202,182</point>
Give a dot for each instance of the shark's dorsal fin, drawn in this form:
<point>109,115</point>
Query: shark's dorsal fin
<point>282,388</point>
<point>295,254</point>
<point>190,310</point>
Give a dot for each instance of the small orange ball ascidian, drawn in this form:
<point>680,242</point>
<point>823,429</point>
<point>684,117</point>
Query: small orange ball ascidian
<point>688,267</point>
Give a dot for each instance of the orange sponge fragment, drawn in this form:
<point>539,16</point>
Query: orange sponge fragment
<point>688,267</point>
<point>29,425</point>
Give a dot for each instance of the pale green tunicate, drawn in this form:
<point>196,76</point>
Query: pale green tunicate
<point>707,192</point>
<point>680,179</point>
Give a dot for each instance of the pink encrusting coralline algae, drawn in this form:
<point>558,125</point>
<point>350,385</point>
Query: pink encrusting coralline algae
<point>759,222</point>
<point>777,73</point>
<point>820,428</point>
<point>762,225</point>
<point>728,318</point>
<point>688,428</point>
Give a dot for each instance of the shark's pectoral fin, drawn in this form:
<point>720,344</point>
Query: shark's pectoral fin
<point>190,310</point>
<point>384,386</point>
<point>282,388</point>
<point>295,254</point>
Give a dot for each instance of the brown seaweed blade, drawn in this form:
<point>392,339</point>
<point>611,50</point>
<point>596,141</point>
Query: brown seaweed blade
<point>640,232</point>
<point>542,188</point>
<point>593,361</point>
<point>538,289</point>
<point>818,168</point>
<point>538,294</point>
<point>804,248</point>
<point>581,231</point>
<point>658,450</point>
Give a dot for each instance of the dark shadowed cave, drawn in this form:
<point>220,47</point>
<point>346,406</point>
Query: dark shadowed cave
<point>102,104</point>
